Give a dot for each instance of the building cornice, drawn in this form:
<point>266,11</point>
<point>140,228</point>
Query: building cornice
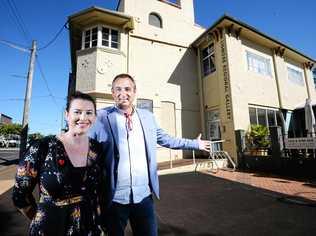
<point>236,28</point>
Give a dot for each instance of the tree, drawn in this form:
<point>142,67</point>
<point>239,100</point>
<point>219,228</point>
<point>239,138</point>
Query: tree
<point>9,129</point>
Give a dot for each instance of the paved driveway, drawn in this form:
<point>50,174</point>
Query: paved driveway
<point>223,204</point>
<point>202,204</point>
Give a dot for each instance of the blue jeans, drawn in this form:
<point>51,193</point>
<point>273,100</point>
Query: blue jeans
<point>141,215</point>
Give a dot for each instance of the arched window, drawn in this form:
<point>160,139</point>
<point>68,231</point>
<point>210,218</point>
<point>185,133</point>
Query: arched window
<point>155,20</point>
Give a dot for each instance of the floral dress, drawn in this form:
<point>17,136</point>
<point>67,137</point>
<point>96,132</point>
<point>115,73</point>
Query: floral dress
<point>68,196</point>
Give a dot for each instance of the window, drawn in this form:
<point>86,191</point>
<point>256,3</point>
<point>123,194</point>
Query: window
<point>262,119</point>
<point>213,125</point>
<point>91,38</point>
<point>155,20</point>
<point>174,2</point>
<point>259,64</point>
<point>263,116</point>
<point>208,60</point>
<point>295,75</point>
<point>253,115</point>
<point>109,37</point>
<point>271,117</point>
<point>145,104</point>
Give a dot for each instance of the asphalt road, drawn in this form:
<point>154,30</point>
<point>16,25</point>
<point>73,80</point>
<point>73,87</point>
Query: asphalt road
<point>8,156</point>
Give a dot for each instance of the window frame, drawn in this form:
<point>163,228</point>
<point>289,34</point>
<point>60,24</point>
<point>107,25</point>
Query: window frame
<point>90,29</point>
<point>266,109</point>
<point>210,57</point>
<point>257,67</point>
<point>141,101</point>
<point>155,14</point>
<point>100,37</point>
<point>293,78</point>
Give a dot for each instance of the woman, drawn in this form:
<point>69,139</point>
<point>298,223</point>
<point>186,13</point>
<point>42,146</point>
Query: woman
<point>68,171</point>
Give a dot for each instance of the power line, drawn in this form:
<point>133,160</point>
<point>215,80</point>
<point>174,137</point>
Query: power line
<point>22,99</point>
<point>46,83</point>
<point>54,38</point>
<point>33,97</point>
<point>21,19</point>
<point>17,19</point>
<point>14,45</point>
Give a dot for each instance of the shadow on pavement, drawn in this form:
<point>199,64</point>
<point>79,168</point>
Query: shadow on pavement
<point>12,223</point>
<point>5,162</point>
<point>198,204</point>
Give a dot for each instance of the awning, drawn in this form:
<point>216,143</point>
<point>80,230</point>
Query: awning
<point>302,105</point>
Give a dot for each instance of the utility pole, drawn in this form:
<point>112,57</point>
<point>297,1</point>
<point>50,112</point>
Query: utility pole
<point>27,100</point>
<point>62,128</point>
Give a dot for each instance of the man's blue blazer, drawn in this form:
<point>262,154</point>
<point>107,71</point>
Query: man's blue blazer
<point>106,132</point>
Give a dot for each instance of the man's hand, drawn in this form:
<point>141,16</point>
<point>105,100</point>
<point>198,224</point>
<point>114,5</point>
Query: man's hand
<point>204,145</point>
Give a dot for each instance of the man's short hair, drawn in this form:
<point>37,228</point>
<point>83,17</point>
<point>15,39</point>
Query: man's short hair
<point>124,75</point>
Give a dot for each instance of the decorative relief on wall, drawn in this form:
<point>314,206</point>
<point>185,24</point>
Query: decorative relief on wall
<point>308,65</point>
<point>104,66</point>
<point>279,51</point>
<point>85,64</point>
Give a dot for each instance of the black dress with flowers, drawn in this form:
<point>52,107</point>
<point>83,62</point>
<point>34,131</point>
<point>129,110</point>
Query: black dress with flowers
<point>69,196</point>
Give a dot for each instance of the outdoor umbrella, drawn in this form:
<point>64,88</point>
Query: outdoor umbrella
<point>309,118</point>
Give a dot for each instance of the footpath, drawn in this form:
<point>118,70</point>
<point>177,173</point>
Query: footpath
<point>205,203</point>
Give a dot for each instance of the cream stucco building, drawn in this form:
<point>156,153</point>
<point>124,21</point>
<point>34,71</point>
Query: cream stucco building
<point>213,81</point>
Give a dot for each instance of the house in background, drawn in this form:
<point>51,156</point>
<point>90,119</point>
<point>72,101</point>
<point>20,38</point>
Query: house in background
<point>214,81</point>
<point>4,119</point>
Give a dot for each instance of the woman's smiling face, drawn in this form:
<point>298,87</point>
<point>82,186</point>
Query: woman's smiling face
<point>81,116</point>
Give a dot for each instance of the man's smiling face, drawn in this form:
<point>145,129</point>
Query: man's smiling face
<point>123,92</point>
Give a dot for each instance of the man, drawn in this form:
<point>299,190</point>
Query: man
<point>129,137</point>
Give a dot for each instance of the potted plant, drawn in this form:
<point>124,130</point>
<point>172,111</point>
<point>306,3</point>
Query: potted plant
<point>258,140</point>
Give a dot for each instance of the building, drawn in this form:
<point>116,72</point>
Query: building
<point>215,80</point>
<point>4,119</point>
<point>248,78</point>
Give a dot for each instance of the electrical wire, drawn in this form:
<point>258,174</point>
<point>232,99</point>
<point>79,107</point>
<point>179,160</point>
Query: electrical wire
<point>18,20</point>
<point>22,99</point>
<point>21,19</point>
<point>46,83</point>
<point>54,38</point>
<point>14,45</point>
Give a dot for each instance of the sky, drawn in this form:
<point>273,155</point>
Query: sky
<point>289,21</point>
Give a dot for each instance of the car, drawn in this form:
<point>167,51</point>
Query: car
<point>13,143</point>
<point>4,142</point>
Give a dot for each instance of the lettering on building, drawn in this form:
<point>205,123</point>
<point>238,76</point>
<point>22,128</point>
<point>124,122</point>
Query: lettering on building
<point>227,97</point>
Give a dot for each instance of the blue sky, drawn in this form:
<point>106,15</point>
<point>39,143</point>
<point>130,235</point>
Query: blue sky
<point>291,22</point>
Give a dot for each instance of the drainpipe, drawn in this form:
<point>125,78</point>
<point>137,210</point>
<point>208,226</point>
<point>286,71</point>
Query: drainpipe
<point>306,82</point>
<point>128,51</point>
<point>276,75</point>
<point>201,93</point>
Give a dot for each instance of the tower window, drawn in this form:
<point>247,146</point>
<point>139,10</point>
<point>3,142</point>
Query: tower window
<point>101,36</point>
<point>91,38</point>
<point>155,20</point>
<point>110,38</point>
